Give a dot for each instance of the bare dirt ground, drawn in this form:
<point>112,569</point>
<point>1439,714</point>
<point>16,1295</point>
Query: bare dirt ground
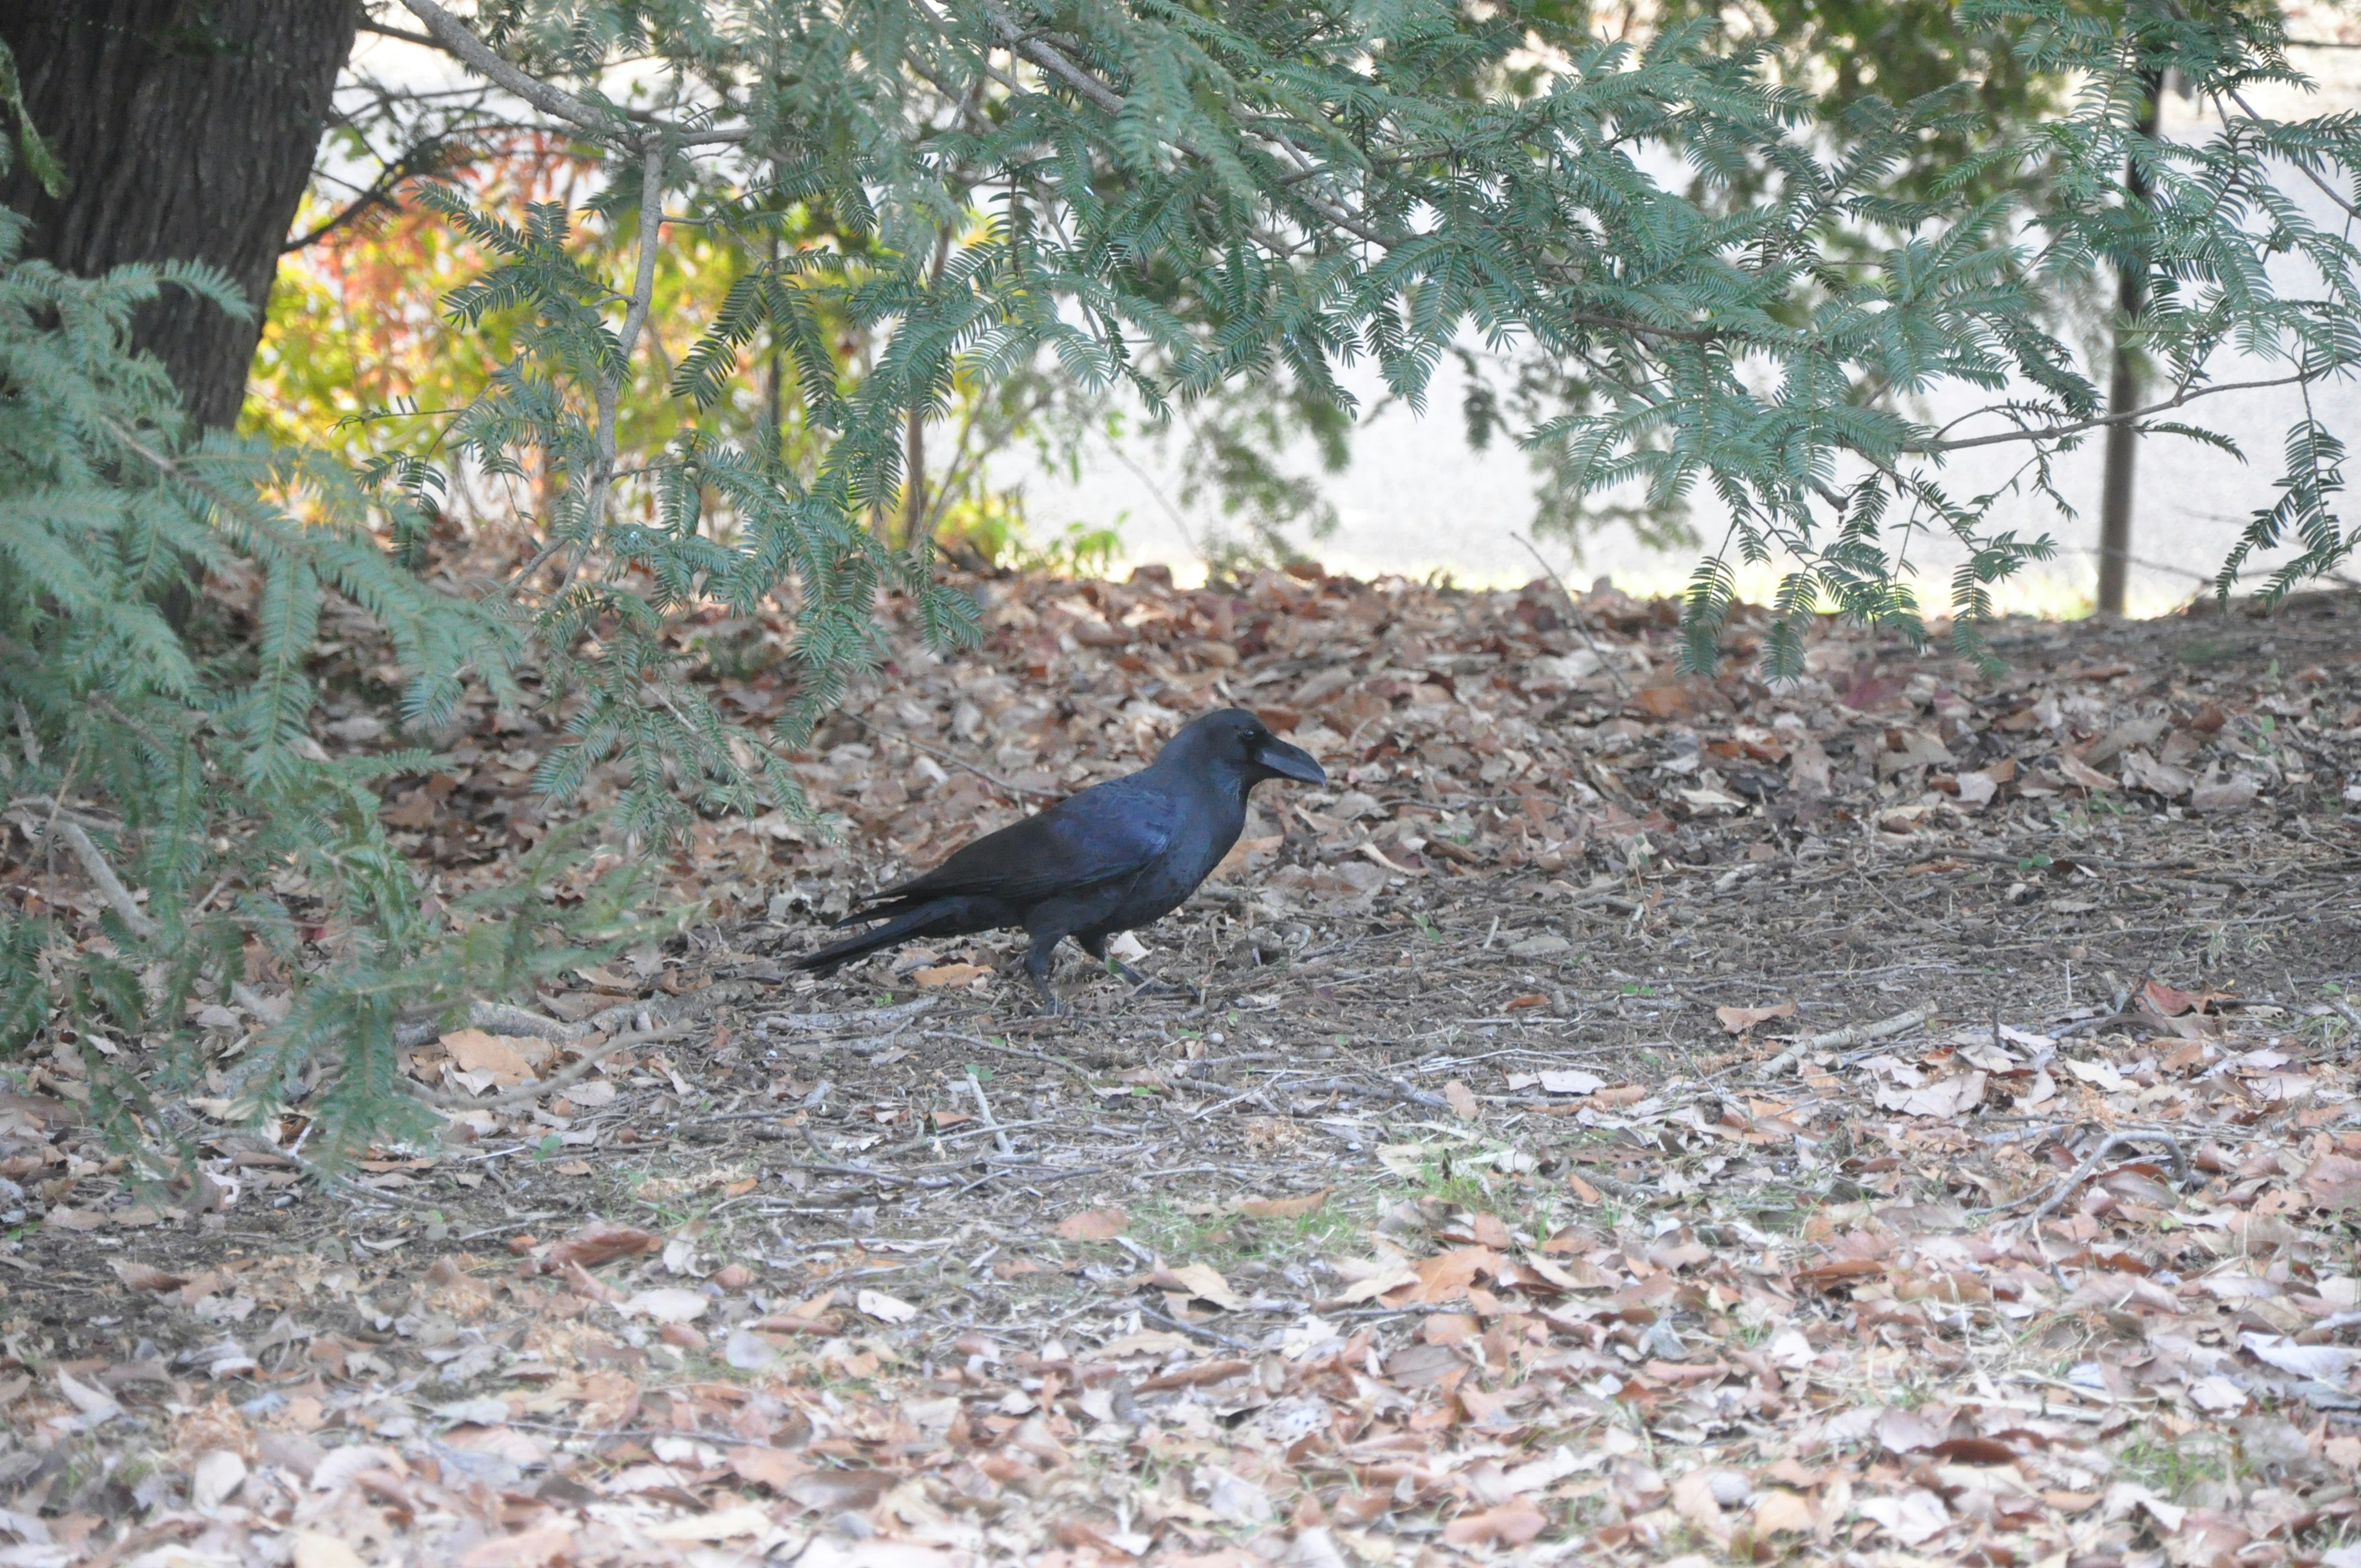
<point>1906,1116</point>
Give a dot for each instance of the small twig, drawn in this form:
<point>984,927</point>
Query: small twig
<point>102,876</point>
<point>975,1087</point>
<point>2106,1020</point>
<point>1084,1078</point>
<point>1852,1035</point>
<point>838,1022</point>
<point>949,760</point>
<point>1362,1086</point>
<point>1575,606</point>
<point>1197,1330</point>
<point>499,1018</point>
<point>2066,1186</point>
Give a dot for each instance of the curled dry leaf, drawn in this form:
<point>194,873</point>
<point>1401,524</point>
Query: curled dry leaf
<point>146,1277</point>
<point>883,1307</point>
<point>1738,1020</point>
<point>669,1304</point>
<point>601,1241</point>
<point>837,1491</point>
<point>1201,1280</point>
<point>1510,1524</point>
<point>1283,1208</point>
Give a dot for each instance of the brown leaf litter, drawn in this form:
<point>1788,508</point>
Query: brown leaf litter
<point>1901,1116</point>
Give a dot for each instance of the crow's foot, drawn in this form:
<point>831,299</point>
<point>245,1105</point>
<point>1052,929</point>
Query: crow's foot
<point>1140,982</point>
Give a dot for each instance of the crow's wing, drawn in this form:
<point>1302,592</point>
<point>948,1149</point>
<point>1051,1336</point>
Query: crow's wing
<point>1106,833</point>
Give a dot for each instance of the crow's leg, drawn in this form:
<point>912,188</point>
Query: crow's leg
<point>1097,948</point>
<point>1037,967</point>
<point>1143,981</point>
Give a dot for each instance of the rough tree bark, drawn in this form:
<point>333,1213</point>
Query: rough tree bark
<point>188,129</point>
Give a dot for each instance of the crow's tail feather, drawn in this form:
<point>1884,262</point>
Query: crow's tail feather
<point>938,917</point>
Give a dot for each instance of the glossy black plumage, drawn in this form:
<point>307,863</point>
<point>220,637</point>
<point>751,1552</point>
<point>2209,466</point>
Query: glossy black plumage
<point>1113,857</point>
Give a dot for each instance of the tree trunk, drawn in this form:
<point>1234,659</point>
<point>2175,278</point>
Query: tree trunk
<point>2124,396</point>
<point>188,129</point>
<point>914,478</point>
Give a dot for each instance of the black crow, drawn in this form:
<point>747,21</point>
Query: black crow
<point>1113,857</point>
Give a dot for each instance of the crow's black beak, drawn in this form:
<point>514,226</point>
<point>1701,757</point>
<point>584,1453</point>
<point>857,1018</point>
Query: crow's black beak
<point>1291,762</point>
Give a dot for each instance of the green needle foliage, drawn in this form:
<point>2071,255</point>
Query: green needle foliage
<point>200,750</point>
<point>1179,198</point>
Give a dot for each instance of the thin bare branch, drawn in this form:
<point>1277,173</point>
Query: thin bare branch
<point>1573,607</point>
<point>635,321</point>
<point>2057,432</point>
<point>480,58</point>
<point>607,124</point>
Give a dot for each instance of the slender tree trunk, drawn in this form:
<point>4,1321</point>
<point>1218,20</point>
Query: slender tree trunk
<point>774,407</point>
<point>914,431</point>
<point>2124,396</point>
<point>914,478</point>
<point>188,129</point>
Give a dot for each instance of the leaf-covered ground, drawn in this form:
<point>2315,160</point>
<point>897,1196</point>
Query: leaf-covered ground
<point>1910,1116</point>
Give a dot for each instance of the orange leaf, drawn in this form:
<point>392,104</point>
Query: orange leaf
<point>1094,1225</point>
<point>1738,1020</point>
<point>1283,1208</point>
<point>944,975</point>
<point>1510,1524</point>
<point>766,1467</point>
<point>1778,1512</point>
<point>145,1276</point>
<point>1446,1276</point>
<point>527,1549</point>
<point>599,1242</point>
<point>1661,702</point>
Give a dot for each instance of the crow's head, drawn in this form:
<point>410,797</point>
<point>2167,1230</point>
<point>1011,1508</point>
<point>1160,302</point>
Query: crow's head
<point>1234,741</point>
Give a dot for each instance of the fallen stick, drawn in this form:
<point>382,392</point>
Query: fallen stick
<point>1623,687</point>
<point>2065,1187</point>
<point>1851,1035</point>
<point>501,1018</point>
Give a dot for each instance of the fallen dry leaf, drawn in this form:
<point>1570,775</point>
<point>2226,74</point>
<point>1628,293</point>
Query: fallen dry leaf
<point>1092,1226</point>
<point>1283,1208</point>
<point>942,975</point>
<point>666,1304</point>
<point>1202,1280</point>
<point>501,1056</point>
<point>1510,1524</point>
<point>1738,1020</point>
<point>601,1241</point>
<point>883,1307</point>
<point>143,1276</point>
